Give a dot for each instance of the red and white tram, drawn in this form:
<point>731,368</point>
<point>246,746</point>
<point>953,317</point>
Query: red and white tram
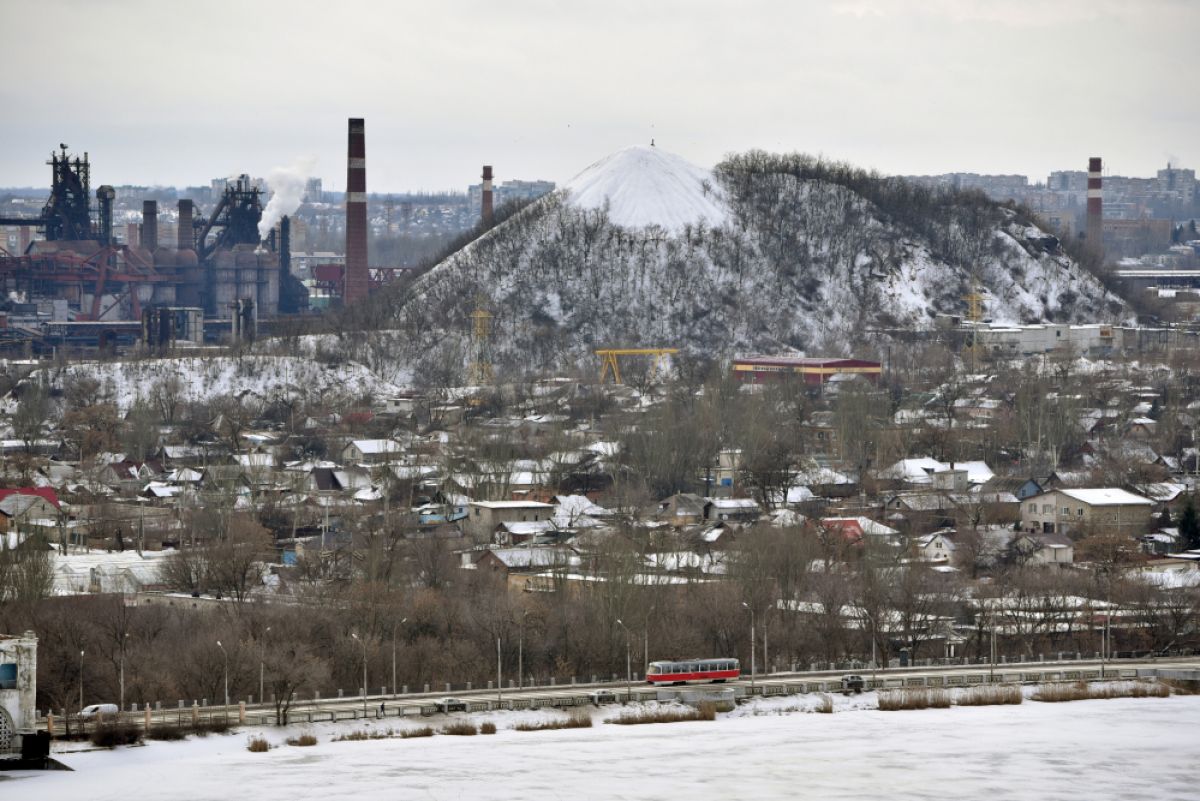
<point>679,672</point>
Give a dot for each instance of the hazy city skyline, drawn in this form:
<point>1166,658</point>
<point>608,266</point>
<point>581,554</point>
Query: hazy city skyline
<point>162,96</point>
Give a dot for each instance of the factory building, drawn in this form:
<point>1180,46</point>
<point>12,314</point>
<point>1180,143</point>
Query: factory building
<point>812,371</point>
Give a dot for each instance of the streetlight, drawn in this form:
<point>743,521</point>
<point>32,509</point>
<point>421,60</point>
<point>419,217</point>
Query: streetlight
<point>628,665</point>
<point>753,635</point>
<point>395,687</point>
<point>874,634</point>
<point>262,667</point>
<point>499,686</point>
<point>225,654</point>
<point>363,643</point>
<point>124,639</point>
<point>521,652</point>
<point>81,680</point>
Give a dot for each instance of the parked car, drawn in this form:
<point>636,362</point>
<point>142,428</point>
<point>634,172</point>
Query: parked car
<point>451,705</point>
<point>98,710</point>
<point>853,683</point>
<point>599,697</point>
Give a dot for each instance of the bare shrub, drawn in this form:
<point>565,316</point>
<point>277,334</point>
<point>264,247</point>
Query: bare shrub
<point>914,698</point>
<point>1082,691</point>
<point>303,739</point>
<point>114,733</point>
<point>487,728</point>
<point>462,728</point>
<point>659,715</point>
<point>166,731</point>
<point>825,705</point>
<point>258,745</point>
<point>353,736</point>
<point>423,731</point>
<point>991,695</point>
<point>575,720</point>
<point>707,710</point>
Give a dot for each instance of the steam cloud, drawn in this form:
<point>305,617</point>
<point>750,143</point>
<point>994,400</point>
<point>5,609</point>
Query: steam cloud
<point>287,190</point>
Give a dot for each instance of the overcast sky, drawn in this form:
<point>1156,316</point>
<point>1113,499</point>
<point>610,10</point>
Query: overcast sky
<point>164,92</point>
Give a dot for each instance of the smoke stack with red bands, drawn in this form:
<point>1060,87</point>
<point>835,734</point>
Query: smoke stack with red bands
<point>486,206</point>
<point>356,277</point>
<point>1095,206</point>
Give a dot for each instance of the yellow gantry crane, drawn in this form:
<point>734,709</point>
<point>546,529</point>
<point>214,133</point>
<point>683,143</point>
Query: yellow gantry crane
<point>610,360</point>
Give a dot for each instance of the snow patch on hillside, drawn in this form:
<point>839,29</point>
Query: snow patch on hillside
<point>647,186</point>
<point>202,378</point>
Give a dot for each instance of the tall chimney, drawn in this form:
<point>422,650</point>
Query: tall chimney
<point>150,225</point>
<point>1095,206</point>
<point>186,234</point>
<point>356,280</point>
<point>486,205</point>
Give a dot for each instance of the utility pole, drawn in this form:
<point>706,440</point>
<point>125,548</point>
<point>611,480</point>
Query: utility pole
<point>628,664</point>
<point>753,637</point>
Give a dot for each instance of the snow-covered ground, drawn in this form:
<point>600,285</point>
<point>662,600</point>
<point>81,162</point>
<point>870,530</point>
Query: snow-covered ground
<point>1117,749</point>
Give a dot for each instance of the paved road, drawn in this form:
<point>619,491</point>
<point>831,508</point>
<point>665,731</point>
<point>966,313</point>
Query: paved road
<point>418,704</point>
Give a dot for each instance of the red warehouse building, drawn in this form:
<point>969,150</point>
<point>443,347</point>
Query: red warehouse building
<point>761,369</point>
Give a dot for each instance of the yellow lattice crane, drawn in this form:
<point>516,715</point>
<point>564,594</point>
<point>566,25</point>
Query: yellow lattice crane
<point>974,301</point>
<point>480,371</point>
<point>610,360</point>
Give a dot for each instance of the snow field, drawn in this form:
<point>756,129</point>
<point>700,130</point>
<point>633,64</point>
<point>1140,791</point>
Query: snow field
<point>1115,749</point>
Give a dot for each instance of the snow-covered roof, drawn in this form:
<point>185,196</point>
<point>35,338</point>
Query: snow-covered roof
<point>511,505</point>
<point>371,447</point>
<point>1106,496</point>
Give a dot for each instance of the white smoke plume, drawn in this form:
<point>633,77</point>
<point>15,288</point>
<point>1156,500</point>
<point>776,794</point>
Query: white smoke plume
<point>287,190</point>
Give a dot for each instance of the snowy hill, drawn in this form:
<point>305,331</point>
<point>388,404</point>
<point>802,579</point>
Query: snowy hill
<point>766,253</point>
<point>647,186</point>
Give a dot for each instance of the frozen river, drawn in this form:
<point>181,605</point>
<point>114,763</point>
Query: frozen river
<point>1118,749</point>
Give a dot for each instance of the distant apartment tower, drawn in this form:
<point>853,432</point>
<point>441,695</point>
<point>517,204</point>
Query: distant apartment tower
<point>1095,206</point>
<point>314,191</point>
<point>486,207</point>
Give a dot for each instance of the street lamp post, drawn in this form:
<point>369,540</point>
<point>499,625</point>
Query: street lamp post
<point>363,643</point>
<point>225,654</point>
<point>521,652</point>
<point>262,668</point>
<point>628,664</point>
<point>395,687</point>
<point>81,680</point>
<point>499,686</point>
<point>121,709</point>
<point>753,636</point>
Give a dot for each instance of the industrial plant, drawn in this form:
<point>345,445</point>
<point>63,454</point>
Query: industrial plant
<point>75,283</point>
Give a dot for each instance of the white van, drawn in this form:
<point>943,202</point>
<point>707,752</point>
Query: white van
<point>98,710</point>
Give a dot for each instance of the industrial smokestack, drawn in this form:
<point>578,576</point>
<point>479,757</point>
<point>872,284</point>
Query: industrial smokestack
<point>285,245</point>
<point>186,234</point>
<point>356,278</point>
<point>1095,206</point>
<point>150,225</point>
<point>486,206</point>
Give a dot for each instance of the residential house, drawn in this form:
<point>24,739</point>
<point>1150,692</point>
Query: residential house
<point>732,510</point>
<point>1043,548</point>
<point>682,509</point>
<point>372,451</point>
<point>1104,509</point>
<point>485,516</point>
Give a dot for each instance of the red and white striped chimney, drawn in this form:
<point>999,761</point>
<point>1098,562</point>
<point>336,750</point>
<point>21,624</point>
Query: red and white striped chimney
<point>486,206</point>
<point>356,276</point>
<point>1095,206</point>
